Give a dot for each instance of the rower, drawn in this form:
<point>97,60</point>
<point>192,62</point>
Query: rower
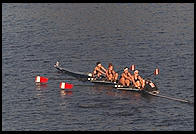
<point>99,70</point>
<point>150,86</point>
<point>139,81</point>
<point>111,75</point>
<point>126,77</point>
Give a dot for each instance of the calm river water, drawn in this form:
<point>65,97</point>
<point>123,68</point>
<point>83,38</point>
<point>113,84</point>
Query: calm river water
<point>35,36</point>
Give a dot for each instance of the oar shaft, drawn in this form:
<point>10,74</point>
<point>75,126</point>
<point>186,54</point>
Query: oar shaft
<point>62,78</point>
<point>171,98</point>
<point>149,75</point>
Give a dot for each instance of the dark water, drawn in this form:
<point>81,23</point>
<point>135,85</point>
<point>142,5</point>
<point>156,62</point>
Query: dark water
<point>35,36</point>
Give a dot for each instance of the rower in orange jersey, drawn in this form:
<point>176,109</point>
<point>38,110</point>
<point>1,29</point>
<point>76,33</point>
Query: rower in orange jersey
<point>99,70</point>
<point>126,78</point>
<point>139,81</point>
<point>111,75</point>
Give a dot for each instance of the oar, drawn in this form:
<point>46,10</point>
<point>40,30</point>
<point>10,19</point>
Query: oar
<point>170,98</point>
<point>156,72</point>
<point>52,78</point>
<point>132,68</point>
<point>119,71</point>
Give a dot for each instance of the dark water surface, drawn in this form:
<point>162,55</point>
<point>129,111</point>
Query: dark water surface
<point>35,36</point>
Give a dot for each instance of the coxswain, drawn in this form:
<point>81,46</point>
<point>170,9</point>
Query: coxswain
<point>139,81</point>
<point>111,75</point>
<point>150,86</point>
<point>99,70</point>
<point>126,78</point>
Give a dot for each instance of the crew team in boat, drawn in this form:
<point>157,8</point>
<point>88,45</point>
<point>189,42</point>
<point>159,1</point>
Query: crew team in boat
<point>109,76</point>
<point>126,78</point>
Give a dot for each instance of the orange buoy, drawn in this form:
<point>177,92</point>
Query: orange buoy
<point>40,79</point>
<point>64,85</point>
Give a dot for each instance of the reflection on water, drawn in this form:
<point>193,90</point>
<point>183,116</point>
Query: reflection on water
<point>41,86</point>
<point>111,91</point>
<point>65,93</point>
<point>133,97</point>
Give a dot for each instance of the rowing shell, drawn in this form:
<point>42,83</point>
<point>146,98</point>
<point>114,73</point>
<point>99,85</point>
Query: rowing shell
<point>102,82</point>
<point>87,76</point>
<point>132,88</point>
<point>73,73</point>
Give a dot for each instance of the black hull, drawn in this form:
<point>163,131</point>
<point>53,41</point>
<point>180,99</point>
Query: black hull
<point>72,73</point>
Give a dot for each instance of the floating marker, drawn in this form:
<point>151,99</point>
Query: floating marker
<point>40,79</point>
<point>68,86</point>
<point>156,72</point>
<point>64,85</point>
<point>132,68</point>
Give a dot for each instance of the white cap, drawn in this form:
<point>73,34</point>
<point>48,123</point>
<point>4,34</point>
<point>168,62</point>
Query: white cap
<point>126,68</point>
<point>136,71</point>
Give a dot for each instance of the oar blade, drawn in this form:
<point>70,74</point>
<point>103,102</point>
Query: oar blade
<point>156,71</point>
<point>132,67</point>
